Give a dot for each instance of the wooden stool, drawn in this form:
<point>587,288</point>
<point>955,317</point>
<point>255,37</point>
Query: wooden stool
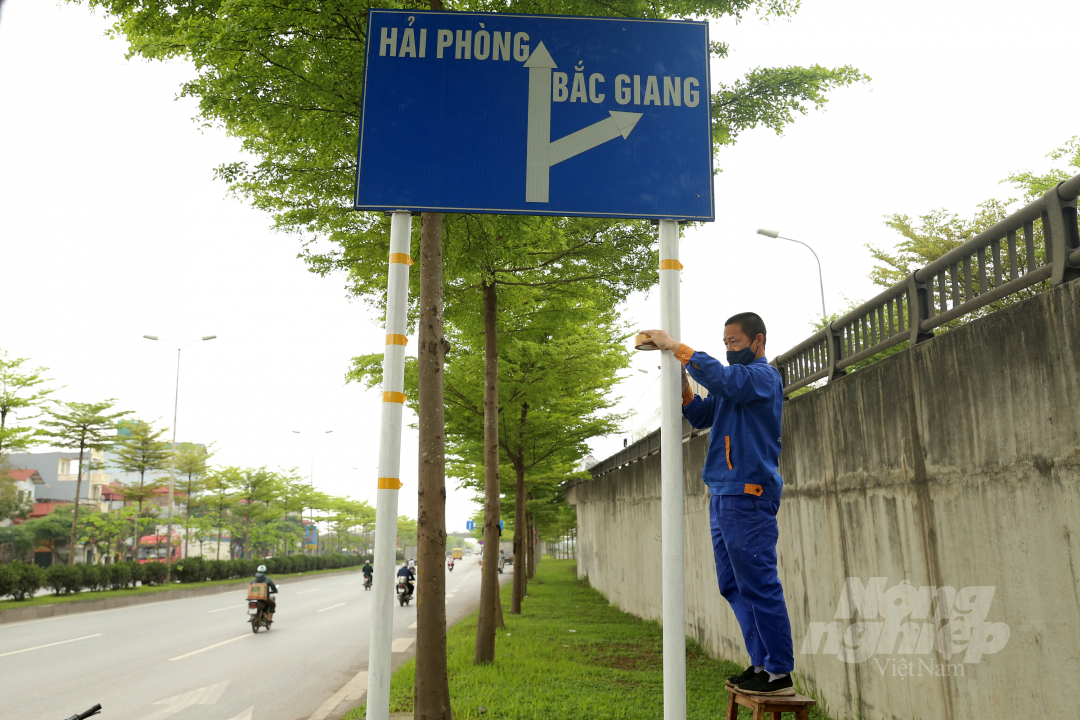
<point>764,705</point>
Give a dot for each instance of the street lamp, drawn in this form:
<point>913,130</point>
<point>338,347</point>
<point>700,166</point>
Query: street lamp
<point>775,234</point>
<point>172,460</point>
<point>311,475</point>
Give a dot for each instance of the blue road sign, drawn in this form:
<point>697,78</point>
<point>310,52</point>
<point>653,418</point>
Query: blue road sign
<point>538,115</point>
<point>470,525</point>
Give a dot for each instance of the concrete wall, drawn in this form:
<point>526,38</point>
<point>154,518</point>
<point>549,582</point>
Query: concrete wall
<point>945,481</point>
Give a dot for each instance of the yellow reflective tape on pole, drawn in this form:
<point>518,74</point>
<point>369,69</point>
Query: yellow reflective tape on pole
<point>671,265</point>
<point>403,258</point>
<point>392,396</point>
<point>390,484</point>
<point>395,339</point>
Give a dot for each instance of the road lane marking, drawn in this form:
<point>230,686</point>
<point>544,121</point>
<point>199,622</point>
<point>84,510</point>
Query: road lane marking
<point>210,647</point>
<point>307,591</point>
<point>231,607</point>
<point>413,626</point>
<point>401,644</point>
<point>208,695</point>
<point>62,642</point>
<point>244,714</point>
<point>331,607</point>
<point>354,690</point>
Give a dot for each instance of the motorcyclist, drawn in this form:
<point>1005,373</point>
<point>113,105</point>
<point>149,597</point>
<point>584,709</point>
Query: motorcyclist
<point>368,571</point>
<point>271,603</point>
<point>407,573</point>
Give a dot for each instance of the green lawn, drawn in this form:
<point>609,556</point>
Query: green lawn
<point>142,590</point>
<point>570,656</point>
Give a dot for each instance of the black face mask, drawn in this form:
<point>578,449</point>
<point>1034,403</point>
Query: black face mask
<point>741,357</point>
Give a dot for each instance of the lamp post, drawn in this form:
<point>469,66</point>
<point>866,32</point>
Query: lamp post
<point>311,482</point>
<point>172,456</point>
<point>821,283</point>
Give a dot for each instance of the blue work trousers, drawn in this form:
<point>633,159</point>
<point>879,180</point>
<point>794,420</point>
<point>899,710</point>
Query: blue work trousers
<point>744,537</point>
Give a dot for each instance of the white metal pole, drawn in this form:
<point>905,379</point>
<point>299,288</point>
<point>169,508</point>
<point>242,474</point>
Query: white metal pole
<point>671,481</point>
<point>172,474</point>
<point>386,507</point>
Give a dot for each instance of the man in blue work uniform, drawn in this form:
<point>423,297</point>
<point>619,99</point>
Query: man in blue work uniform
<point>741,469</point>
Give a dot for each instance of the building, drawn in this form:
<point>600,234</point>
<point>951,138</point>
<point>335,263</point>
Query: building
<point>26,484</point>
<point>58,479</point>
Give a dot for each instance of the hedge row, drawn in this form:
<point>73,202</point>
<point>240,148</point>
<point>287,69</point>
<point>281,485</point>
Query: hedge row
<point>21,580</point>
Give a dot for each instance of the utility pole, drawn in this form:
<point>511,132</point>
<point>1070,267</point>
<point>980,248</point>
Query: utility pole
<point>172,455</point>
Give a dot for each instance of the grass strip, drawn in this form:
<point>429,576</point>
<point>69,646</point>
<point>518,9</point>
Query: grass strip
<point>88,595</point>
<point>570,655</point>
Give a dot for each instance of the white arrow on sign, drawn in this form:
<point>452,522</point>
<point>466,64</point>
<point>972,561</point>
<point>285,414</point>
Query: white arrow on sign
<point>620,123</point>
<point>541,153</point>
<point>203,696</point>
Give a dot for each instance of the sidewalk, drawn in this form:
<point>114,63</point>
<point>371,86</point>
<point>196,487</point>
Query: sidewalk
<point>570,655</point>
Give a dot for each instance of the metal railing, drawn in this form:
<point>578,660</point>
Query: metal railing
<point>965,279</point>
<point>643,448</point>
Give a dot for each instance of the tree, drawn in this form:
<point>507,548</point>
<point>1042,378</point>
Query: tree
<point>191,461</point>
<point>16,537</point>
<point>219,484</point>
<point>141,450</point>
<point>82,426</point>
<point>13,504</point>
<point>541,436</point>
<point>406,531</point>
<point>105,530</point>
<point>254,489</point>
<point>53,529</point>
<point>294,500</point>
<point>558,368</point>
<point>21,393</point>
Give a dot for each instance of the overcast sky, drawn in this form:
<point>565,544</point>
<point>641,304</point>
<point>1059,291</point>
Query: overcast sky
<point>112,225</point>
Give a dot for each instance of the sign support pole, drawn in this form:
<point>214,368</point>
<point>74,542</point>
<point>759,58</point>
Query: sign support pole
<point>671,481</point>
<point>386,504</point>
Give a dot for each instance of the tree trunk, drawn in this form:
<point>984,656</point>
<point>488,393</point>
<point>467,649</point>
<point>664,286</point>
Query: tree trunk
<point>532,545</point>
<point>187,516</point>
<point>138,514</point>
<point>431,689</point>
<point>519,530</point>
<point>75,518</point>
<point>220,529</point>
<point>489,581</point>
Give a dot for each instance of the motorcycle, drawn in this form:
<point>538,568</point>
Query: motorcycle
<point>259,615</point>
<point>404,594</point>
<point>450,566</point>
<point>367,582</point>
<point>83,715</point>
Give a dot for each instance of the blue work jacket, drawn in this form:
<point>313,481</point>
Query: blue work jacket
<point>744,406</point>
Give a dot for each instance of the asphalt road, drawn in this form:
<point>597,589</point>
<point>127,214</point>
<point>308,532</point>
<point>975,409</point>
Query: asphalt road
<point>197,658</point>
